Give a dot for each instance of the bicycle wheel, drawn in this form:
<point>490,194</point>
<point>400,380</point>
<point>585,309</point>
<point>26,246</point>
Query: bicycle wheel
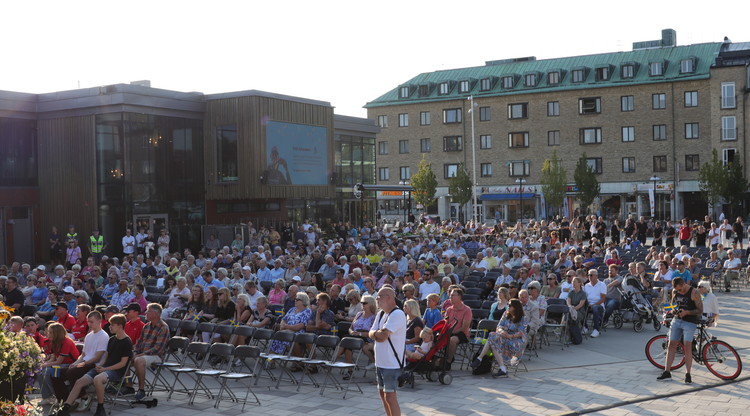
<point>722,360</point>
<point>656,352</point>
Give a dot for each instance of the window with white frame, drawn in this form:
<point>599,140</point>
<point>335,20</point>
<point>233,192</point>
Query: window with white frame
<point>628,134</point>
<point>595,163</point>
<point>579,75</point>
<point>602,73</point>
<point>486,169</point>
<point>691,98</point>
<point>627,71</point>
<point>628,165</point>
<point>452,144</point>
<point>403,120</point>
<point>485,84</point>
<point>519,167</point>
<point>443,88</point>
<point>384,174</point>
<point>530,80</point>
<point>383,121</point>
<point>463,86</point>
<point>553,78</point>
<point>553,138</point>
<point>553,108</point>
<point>485,141</point>
<point>728,99</point>
<point>691,130</point>
<point>518,139</point>
<point>589,105</point>
<point>590,135</point>
<point>404,92</point>
<point>507,82</point>
<point>687,66</point>
<point>627,103</point>
<point>656,69</point>
<point>727,155</point>
<point>729,128</point>
<point>485,114</point>
<point>518,110</point>
<point>450,170</point>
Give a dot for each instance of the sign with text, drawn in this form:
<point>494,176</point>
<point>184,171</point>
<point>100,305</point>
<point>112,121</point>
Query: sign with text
<point>297,154</point>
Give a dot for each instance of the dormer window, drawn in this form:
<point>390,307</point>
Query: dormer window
<point>443,88</point>
<point>579,75</point>
<point>656,69</point>
<point>602,73</point>
<point>553,78</point>
<point>403,92</point>
<point>424,90</point>
<point>485,84</point>
<point>687,66</point>
<point>463,86</point>
<point>627,71</point>
<point>507,82</point>
<point>530,80</point>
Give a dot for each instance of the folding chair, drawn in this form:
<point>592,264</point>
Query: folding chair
<point>175,350</point>
<point>245,332</point>
<point>484,327</point>
<point>241,354</point>
<point>269,358</point>
<point>187,327</point>
<point>343,329</point>
<point>196,354</point>
<point>118,397</point>
<point>262,338</point>
<point>323,343</point>
<point>204,327</point>
<point>349,343</point>
<point>223,352</point>
<point>302,340</point>
<point>173,324</point>
<point>223,331</point>
<point>554,311</point>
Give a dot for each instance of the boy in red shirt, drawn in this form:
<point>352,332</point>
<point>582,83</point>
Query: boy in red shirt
<point>63,317</point>
<point>81,326</point>
<point>134,326</point>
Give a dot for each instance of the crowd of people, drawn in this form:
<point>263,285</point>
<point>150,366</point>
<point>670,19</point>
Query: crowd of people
<point>303,280</point>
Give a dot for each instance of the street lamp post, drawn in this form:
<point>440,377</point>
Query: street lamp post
<point>473,163</point>
<point>520,182</point>
<point>654,179</point>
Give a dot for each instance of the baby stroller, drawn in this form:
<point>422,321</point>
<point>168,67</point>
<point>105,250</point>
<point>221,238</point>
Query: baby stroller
<point>634,306</point>
<point>433,365</point>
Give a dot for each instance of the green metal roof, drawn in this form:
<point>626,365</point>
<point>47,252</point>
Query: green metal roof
<point>704,55</point>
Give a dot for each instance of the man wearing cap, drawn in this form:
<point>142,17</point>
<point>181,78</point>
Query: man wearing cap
<point>97,245</point>
<point>63,317</point>
<point>109,312</point>
<point>68,297</point>
<point>134,325</point>
<point>122,297</point>
<point>683,272</point>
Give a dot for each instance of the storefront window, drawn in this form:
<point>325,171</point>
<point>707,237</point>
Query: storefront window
<point>18,159</point>
<point>227,169</point>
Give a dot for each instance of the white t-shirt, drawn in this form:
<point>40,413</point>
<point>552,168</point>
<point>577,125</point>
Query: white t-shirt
<point>594,292</point>
<point>396,323</point>
<point>427,288</point>
<point>564,293</point>
<point>93,343</point>
<point>125,247</point>
<point>254,299</point>
<point>730,264</point>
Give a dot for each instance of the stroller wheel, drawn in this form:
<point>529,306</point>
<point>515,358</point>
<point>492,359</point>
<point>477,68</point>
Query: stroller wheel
<point>430,376</point>
<point>445,378</point>
<point>638,325</point>
<point>617,320</point>
<point>657,324</point>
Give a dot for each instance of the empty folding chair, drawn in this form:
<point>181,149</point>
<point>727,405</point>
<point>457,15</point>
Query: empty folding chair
<point>241,354</point>
<point>204,332</point>
<point>322,343</point>
<point>556,322</point>
<point>173,356</point>
<point>242,335</point>
<point>302,340</point>
<point>262,338</point>
<point>187,328</point>
<point>269,357</point>
<point>173,324</point>
<point>196,355</point>
<point>221,351</point>
<point>350,343</point>
<point>222,333</point>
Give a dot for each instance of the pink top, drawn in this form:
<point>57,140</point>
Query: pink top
<point>276,297</point>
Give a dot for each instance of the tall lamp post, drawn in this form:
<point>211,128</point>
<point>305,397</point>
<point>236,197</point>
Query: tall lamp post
<point>520,182</point>
<point>655,179</point>
<point>473,162</point>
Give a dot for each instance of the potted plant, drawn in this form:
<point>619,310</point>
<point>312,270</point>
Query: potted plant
<point>20,360</point>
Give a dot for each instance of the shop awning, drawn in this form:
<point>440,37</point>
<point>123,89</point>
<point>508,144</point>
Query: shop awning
<point>504,197</point>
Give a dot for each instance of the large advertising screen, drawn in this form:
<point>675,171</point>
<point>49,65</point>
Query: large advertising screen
<point>297,154</point>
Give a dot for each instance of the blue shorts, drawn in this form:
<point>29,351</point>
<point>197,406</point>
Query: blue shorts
<point>387,379</point>
<point>113,375</point>
<point>681,330</point>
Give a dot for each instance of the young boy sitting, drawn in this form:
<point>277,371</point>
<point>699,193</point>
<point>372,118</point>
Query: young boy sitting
<point>424,348</point>
<point>115,360</point>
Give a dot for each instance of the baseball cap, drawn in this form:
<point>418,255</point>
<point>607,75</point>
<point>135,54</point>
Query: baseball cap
<point>133,307</point>
<point>112,308</point>
<point>246,268</point>
<point>297,279</point>
<point>61,305</point>
<point>69,289</point>
<point>41,267</point>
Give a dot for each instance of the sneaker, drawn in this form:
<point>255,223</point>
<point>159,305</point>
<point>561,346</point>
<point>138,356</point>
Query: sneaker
<point>666,375</point>
<point>499,373</point>
<point>85,403</point>
<point>594,333</point>
<point>476,363</point>
<point>584,330</point>
<point>370,366</point>
<point>100,410</point>
<point>688,379</point>
<point>140,395</point>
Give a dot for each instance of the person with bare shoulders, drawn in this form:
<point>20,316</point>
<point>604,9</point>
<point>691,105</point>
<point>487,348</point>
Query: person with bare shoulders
<point>689,310</point>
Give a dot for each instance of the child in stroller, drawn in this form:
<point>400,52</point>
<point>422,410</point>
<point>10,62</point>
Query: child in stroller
<point>635,306</point>
<point>421,350</point>
<point>432,358</point>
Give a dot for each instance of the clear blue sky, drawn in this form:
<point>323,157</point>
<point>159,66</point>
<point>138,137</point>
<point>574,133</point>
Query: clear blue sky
<point>345,52</point>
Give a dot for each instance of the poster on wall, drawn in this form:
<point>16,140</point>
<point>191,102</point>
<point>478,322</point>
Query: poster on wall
<point>297,154</point>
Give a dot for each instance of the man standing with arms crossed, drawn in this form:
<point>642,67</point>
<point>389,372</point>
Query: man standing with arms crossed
<point>389,332</point>
<point>689,309</point>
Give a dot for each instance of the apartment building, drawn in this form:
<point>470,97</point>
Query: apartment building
<point>646,120</point>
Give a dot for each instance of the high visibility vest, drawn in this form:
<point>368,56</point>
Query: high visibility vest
<point>69,236</point>
<point>96,245</point>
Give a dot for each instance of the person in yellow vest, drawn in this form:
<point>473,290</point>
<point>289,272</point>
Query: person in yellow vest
<point>97,245</point>
<point>72,234</point>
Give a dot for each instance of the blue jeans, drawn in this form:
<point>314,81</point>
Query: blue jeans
<point>598,311</point>
<point>681,330</point>
<point>387,378</point>
<point>45,381</point>
<point>609,306</point>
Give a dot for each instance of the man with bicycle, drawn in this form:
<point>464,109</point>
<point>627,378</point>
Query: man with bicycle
<point>688,312</point>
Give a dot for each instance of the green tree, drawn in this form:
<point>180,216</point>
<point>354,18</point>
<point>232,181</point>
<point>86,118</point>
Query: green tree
<point>586,182</point>
<point>735,186</point>
<point>424,183</point>
<point>460,186</point>
<point>713,180</point>
<point>554,181</point>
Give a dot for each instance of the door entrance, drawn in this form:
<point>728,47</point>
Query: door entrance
<point>150,222</point>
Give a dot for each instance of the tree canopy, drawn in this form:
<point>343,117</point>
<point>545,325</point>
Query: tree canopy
<point>586,182</point>
<point>424,183</point>
<point>554,180</point>
<point>460,185</point>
